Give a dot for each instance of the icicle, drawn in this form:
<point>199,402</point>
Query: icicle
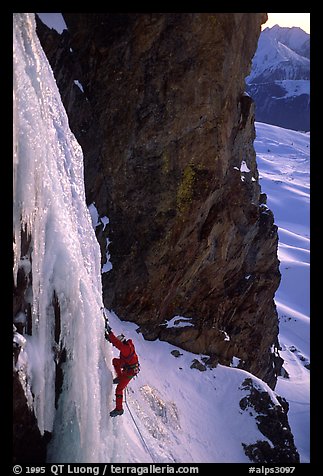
<point>49,202</point>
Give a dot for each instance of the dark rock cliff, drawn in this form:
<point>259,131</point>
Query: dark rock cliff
<point>272,422</point>
<point>167,135</point>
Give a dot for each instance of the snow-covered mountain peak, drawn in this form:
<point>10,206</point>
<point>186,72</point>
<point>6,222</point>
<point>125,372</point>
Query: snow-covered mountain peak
<point>279,81</point>
<point>274,60</point>
<point>295,38</point>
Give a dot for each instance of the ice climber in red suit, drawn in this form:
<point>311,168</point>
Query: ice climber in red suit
<point>126,366</point>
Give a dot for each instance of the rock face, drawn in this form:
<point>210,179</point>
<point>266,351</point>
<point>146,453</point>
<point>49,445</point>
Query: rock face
<point>28,443</point>
<point>273,423</point>
<point>167,135</point>
<point>29,446</point>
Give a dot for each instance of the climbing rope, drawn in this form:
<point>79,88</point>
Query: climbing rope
<point>142,438</point>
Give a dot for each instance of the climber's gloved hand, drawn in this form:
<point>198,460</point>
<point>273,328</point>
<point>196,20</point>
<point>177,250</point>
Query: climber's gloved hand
<point>107,327</point>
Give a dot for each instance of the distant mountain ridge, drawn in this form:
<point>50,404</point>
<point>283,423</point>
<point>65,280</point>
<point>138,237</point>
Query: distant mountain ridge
<point>295,38</point>
<point>279,81</point>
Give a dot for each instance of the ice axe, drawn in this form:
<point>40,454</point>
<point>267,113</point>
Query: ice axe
<point>106,320</point>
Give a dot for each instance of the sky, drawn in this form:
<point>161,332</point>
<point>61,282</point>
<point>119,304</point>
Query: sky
<point>301,20</point>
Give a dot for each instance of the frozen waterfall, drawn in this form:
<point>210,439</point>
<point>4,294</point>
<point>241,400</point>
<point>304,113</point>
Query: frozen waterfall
<point>49,204</point>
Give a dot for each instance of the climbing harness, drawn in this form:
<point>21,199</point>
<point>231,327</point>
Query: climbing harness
<point>142,438</point>
<point>134,367</point>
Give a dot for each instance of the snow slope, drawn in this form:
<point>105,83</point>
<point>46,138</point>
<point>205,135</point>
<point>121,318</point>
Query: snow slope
<point>283,158</point>
<point>184,414</point>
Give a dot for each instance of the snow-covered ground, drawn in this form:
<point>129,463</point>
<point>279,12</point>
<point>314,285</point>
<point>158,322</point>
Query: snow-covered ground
<point>188,415</point>
<point>295,87</point>
<point>283,158</point>
<point>174,413</point>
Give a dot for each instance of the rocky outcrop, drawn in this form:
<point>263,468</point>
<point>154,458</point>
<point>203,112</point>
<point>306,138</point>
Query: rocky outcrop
<point>29,446</point>
<point>278,447</point>
<point>167,135</point>
<point>28,443</point>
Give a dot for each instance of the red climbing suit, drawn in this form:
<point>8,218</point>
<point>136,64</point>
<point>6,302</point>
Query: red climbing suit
<point>126,367</point>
